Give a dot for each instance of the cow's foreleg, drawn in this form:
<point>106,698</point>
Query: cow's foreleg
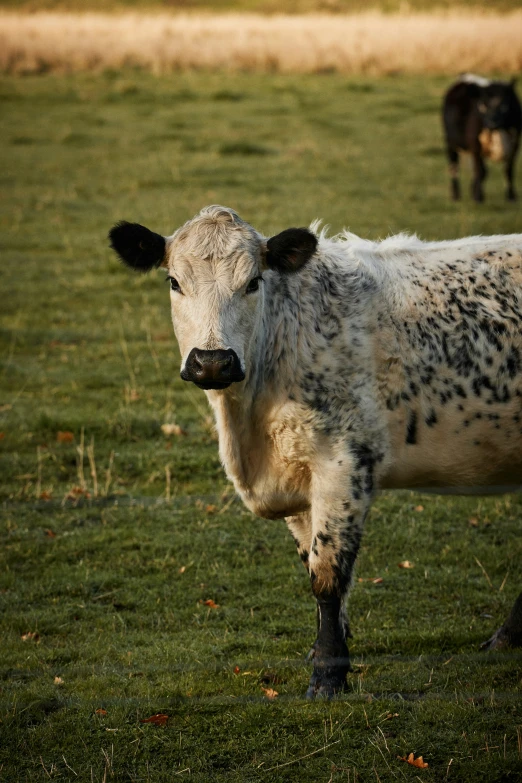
<point>300,527</point>
<point>510,189</point>
<point>453,157</point>
<point>479,175</point>
<point>339,503</point>
<point>509,634</point>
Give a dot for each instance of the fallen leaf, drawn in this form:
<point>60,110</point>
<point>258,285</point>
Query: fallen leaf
<point>77,492</point>
<point>270,693</point>
<point>182,570</point>
<point>209,602</point>
<point>406,564</point>
<point>172,429</point>
<point>415,762</point>
<point>160,719</point>
<point>210,509</point>
<point>6,407</point>
<point>50,533</point>
<point>45,495</point>
<point>473,522</point>
<point>58,680</point>
<point>64,437</point>
<point>100,711</point>
<point>31,636</point>
<point>378,580</point>
<point>391,715</point>
<point>236,669</point>
<point>2,435</point>
<point>419,508</point>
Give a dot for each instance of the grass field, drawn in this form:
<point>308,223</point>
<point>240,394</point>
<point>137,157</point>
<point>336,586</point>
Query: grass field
<point>370,43</point>
<point>114,534</point>
<point>260,6</point>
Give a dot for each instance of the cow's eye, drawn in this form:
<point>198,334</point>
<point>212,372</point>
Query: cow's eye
<point>253,285</point>
<point>174,284</point>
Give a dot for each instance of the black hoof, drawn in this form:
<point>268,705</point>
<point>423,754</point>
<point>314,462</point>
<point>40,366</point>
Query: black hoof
<point>325,689</point>
<point>503,638</point>
<point>328,681</point>
<point>498,641</point>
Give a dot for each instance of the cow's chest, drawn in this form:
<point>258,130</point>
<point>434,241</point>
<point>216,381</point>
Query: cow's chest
<point>269,462</point>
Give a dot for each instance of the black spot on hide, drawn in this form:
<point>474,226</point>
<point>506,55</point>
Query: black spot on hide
<point>411,432</point>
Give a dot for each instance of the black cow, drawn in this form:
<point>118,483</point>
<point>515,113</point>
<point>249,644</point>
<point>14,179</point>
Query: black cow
<point>484,118</point>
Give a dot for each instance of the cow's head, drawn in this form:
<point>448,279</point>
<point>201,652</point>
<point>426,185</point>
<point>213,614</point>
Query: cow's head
<point>215,264</point>
<point>496,104</point>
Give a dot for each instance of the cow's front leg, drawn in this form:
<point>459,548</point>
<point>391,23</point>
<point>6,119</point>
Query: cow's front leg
<point>300,527</point>
<point>479,175</point>
<point>340,499</point>
<point>510,188</point>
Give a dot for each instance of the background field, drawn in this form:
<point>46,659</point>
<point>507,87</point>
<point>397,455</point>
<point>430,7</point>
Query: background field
<point>112,541</point>
<point>262,6</point>
<point>369,43</point>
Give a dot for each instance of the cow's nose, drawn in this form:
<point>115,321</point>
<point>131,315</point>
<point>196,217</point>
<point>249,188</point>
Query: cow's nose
<point>212,369</point>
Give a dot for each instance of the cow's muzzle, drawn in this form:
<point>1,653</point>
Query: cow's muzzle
<point>212,369</point>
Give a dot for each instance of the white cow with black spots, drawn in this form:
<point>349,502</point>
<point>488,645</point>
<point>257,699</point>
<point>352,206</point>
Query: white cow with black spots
<point>339,366</point>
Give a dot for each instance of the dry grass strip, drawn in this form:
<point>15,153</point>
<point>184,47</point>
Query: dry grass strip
<point>366,43</point>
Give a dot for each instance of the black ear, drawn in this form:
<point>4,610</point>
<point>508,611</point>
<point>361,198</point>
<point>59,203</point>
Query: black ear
<point>137,247</point>
<point>290,250</point>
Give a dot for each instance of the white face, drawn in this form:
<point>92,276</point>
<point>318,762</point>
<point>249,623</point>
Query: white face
<point>215,264</point>
<point>216,292</point>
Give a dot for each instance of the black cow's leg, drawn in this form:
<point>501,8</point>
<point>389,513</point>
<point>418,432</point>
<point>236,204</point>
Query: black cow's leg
<point>333,551</point>
<point>453,156</point>
<point>331,657</point>
<point>509,634</point>
<point>479,175</point>
<point>510,189</point>
<point>328,538</point>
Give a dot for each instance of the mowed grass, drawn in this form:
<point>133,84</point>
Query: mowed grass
<point>113,541</point>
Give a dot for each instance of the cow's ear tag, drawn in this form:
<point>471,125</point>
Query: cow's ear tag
<point>290,250</point>
<point>137,246</point>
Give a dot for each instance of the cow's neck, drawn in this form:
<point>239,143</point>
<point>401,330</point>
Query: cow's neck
<point>233,412</point>
<point>242,410</point>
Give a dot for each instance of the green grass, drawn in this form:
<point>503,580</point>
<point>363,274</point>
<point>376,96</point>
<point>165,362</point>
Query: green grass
<point>259,6</point>
<point>115,584</point>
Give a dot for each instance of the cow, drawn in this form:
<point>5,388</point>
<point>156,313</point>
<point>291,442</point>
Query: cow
<point>483,118</point>
<point>339,366</point>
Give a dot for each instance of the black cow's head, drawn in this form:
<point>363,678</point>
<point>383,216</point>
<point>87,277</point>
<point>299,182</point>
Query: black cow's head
<point>498,105</point>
